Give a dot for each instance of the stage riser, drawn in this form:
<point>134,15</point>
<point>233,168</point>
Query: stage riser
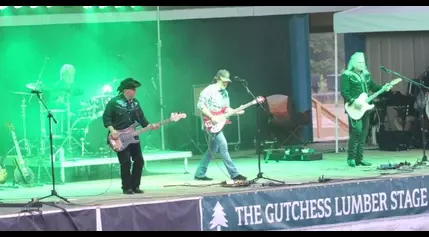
<point>290,208</point>
<point>183,215</point>
<point>72,174</point>
<point>287,208</point>
<point>409,223</point>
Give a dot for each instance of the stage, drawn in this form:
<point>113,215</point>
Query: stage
<point>167,180</point>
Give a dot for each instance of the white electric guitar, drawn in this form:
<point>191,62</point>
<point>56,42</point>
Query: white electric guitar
<point>364,100</point>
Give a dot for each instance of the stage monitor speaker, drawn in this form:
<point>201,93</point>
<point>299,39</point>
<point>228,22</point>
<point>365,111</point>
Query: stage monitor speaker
<point>196,91</point>
<point>394,140</point>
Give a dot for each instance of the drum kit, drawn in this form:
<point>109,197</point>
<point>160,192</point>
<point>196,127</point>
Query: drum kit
<point>79,130</point>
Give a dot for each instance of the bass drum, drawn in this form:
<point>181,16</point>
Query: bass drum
<point>93,133</point>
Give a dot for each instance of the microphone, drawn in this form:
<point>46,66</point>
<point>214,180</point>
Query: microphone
<point>239,79</point>
<point>384,69</point>
<point>35,92</point>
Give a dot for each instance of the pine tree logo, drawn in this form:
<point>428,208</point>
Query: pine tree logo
<point>219,218</point>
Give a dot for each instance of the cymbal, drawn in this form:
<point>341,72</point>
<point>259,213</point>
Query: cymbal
<point>40,86</point>
<point>85,109</point>
<point>20,93</point>
<point>58,110</point>
<point>34,86</point>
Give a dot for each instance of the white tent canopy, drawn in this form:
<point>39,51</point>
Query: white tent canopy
<point>367,19</point>
<point>382,19</point>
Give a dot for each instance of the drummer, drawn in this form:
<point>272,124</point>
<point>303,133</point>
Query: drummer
<point>65,87</point>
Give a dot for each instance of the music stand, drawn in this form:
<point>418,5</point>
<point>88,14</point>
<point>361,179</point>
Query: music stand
<point>51,118</point>
<point>259,144</point>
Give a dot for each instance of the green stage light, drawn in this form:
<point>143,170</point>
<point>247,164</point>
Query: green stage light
<point>17,6</point>
<point>48,6</point>
<point>101,7</point>
<point>33,7</point>
<point>3,7</point>
<point>118,6</point>
<point>87,7</point>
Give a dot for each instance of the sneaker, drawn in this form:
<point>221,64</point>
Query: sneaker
<point>239,177</point>
<point>205,178</point>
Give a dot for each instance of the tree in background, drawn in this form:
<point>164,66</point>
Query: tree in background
<point>322,59</point>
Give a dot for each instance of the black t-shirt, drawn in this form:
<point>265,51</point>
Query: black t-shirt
<point>121,113</point>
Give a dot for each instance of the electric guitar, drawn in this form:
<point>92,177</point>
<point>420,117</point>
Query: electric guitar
<point>126,136</point>
<point>364,100</point>
<point>23,175</point>
<point>215,128</point>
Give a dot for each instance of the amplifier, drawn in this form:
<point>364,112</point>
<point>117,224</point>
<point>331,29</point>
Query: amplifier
<point>394,140</point>
<point>292,154</point>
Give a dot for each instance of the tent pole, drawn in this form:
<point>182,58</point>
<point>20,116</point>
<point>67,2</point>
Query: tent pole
<point>336,91</point>
<point>161,99</point>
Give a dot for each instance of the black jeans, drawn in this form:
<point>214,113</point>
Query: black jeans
<point>358,133</point>
<point>131,179</point>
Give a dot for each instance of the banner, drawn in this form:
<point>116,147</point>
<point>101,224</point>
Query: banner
<point>317,205</point>
<point>82,220</point>
<point>407,223</point>
<point>181,215</point>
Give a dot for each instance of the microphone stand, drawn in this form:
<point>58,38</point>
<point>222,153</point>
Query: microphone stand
<point>419,105</point>
<point>258,142</point>
<point>50,118</point>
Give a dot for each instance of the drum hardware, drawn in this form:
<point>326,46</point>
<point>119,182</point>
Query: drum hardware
<point>69,136</point>
<point>43,137</point>
<point>58,132</point>
<point>38,85</point>
<point>92,134</point>
<point>99,103</point>
<point>25,140</point>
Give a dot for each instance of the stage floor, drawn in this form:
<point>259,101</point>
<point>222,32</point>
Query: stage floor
<point>166,179</point>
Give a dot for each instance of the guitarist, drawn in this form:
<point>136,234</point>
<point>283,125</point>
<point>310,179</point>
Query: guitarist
<point>212,99</point>
<point>122,111</point>
<point>356,80</point>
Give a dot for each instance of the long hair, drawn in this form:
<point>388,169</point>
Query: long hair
<point>353,59</point>
<point>215,79</point>
<point>67,73</point>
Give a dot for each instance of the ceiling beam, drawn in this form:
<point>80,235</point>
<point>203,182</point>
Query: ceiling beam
<point>165,15</point>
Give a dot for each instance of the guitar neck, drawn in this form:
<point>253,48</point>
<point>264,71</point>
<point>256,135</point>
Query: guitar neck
<point>241,108</point>
<point>15,142</point>
<point>373,96</point>
<point>145,129</point>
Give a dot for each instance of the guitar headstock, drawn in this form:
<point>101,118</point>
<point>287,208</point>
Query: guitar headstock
<point>177,116</point>
<point>259,100</point>
<point>10,126</point>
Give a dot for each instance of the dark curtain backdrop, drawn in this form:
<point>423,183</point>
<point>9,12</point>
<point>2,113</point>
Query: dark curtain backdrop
<point>254,48</point>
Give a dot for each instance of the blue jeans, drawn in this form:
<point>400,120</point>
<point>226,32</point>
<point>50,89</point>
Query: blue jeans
<point>217,143</point>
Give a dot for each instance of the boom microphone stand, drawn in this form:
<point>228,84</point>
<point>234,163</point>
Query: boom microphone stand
<point>50,118</point>
<point>420,106</point>
<point>259,143</point>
